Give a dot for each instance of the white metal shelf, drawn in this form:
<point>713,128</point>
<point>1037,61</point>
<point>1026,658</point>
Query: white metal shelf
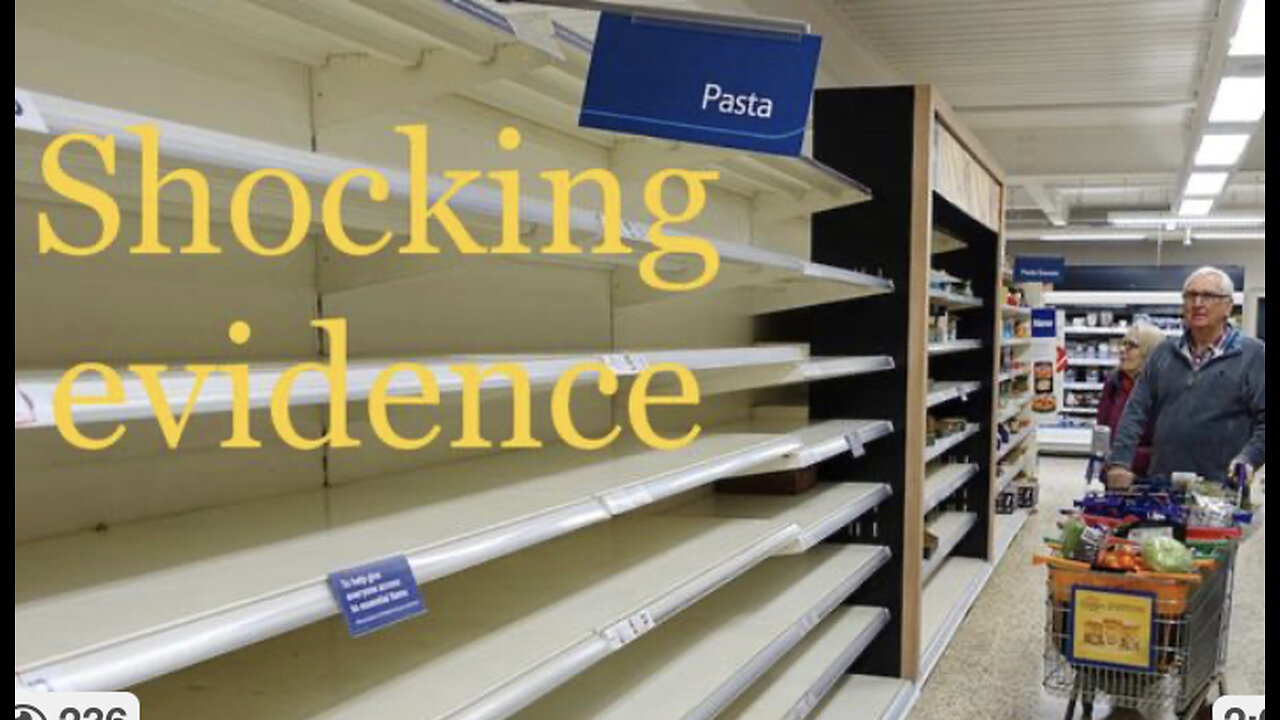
<point>951,529</point>
<point>948,598</point>
<point>1016,442</point>
<point>944,392</point>
<point>821,440</point>
<point>94,613</point>
<point>1096,331</point>
<point>955,301</point>
<point>783,281</point>
<point>1009,411</point>
<point>1080,411</point>
<point>1111,299</point>
<point>1010,473</point>
<point>863,697</point>
<point>953,348</point>
<point>1012,375</point>
<point>798,684</point>
<point>817,514</point>
<point>496,639</point>
<point>944,481</point>
<point>1084,362</point>
<point>720,370</point>
<point>1008,527</point>
<point>702,661</point>
<point>1065,440</point>
<point>942,447</point>
<point>945,243</point>
<point>1016,343</point>
<point>1084,386</point>
<point>1015,311</point>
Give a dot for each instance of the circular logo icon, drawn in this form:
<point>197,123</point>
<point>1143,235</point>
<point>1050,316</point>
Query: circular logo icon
<point>26,712</point>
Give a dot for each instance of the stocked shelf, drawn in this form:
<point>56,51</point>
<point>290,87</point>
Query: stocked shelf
<point>872,698</point>
<point>804,678</point>
<point>944,481</point>
<point>752,367</point>
<point>820,441</point>
<point>942,447</point>
<point>1011,375</point>
<point>953,348</point>
<point>782,281</point>
<point>1082,362</point>
<point>1110,299</point>
<point>944,392</point>
<point>1009,474</point>
<point>1084,386</point>
<point>1016,442</point>
<point>701,662</point>
<point>817,514</point>
<point>496,639</point>
<point>950,529</point>
<point>948,597</point>
<point>94,613</point>
<point>1080,411</point>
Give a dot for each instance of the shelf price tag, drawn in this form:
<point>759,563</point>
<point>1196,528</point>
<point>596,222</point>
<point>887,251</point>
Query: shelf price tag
<point>24,413</point>
<point>376,596</point>
<point>1235,707</point>
<point>26,116</point>
<point>626,365</point>
<point>857,448</point>
<point>63,705</point>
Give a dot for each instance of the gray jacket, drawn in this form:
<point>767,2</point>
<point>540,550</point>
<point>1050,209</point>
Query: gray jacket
<point>1204,420</point>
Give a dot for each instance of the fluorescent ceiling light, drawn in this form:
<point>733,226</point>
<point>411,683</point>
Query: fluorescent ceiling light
<point>1157,220</point>
<point>1240,100</point>
<point>1094,237</point>
<point>1221,150</point>
<point>1195,208</point>
<point>1251,36</point>
<point>1228,236</point>
<point>1206,184</point>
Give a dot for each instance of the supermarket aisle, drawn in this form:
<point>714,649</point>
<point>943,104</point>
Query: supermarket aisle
<point>992,670</point>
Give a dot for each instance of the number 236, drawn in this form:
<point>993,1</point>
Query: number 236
<point>93,714</point>
<point>1238,714</point>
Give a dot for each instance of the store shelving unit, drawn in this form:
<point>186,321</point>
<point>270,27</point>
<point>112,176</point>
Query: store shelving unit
<point>936,191</point>
<point>197,579</point>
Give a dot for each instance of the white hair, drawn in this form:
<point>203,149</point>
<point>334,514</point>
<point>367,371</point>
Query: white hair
<point>1226,285</point>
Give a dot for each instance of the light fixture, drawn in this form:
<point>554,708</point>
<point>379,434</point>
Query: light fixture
<point>1171,222</point>
<point>1240,100</point>
<point>1206,184</point>
<point>1221,150</point>
<point>1094,237</point>
<point>1231,236</point>
<point>1195,208</point>
<point>1251,36</point>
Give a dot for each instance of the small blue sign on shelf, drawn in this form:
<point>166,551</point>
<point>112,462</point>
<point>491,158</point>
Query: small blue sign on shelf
<point>378,595</point>
<point>1044,324</point>
<point>1047,270</point>
<point>701,83</point>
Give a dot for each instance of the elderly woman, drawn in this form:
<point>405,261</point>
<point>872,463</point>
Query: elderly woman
<point>1141,340</point>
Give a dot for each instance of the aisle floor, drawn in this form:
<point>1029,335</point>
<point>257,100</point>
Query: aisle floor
<point>993,669</point>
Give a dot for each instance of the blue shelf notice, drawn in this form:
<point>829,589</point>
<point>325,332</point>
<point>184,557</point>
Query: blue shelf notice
<point>377,595</point>
<point>700,83</point>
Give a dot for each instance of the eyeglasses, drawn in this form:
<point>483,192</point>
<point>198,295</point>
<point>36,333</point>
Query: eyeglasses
<point>1197,299</point>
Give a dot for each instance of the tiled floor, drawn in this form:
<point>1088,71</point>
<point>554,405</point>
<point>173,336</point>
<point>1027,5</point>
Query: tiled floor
<point>993,669</point>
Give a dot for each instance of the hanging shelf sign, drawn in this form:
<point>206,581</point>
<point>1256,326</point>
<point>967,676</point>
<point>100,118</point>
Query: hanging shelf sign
<point>737,87</point>
<point>26,116</point>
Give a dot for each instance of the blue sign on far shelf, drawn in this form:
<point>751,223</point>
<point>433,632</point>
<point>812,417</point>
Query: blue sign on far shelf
<point>1044,323</point>
<point>1047,270</point>
<point>376,596</point>
<point>702,83</point>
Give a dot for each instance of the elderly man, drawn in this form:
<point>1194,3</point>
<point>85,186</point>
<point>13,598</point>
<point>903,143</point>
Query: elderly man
<point>1204,395</point>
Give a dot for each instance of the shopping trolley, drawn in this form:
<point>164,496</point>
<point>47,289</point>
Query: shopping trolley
<point>1172,666</point>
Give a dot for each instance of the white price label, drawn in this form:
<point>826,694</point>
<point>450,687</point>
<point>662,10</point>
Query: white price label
<point>24,413</point>
<point>75,706</point>
<point>1235,707</point>
<point>26,116</point>
<point>856,447</point>
<point>626,365</point>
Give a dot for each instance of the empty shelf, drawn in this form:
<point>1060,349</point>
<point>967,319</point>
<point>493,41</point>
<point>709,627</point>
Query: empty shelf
<point>944,243</point>
<point>950,529</point>
<point>701,662</point>
<point>1016,441</point>
<point>946,445</point>
<point>1009,474</point>
<point>1007,529</point>
<point>862,697</point>
<point>954,301</point>
<point>944,392</point>
<point>948,598</point>
<point>953,348</point>
<point>944,481</point>
<point>496,639</point>
<point>812,370</point>
<point>804,678</point>
<point>821,439</point>
<point>1014,408</point>
<point>817,514</point>
<point>216,393</point>
<point>94,613</point>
